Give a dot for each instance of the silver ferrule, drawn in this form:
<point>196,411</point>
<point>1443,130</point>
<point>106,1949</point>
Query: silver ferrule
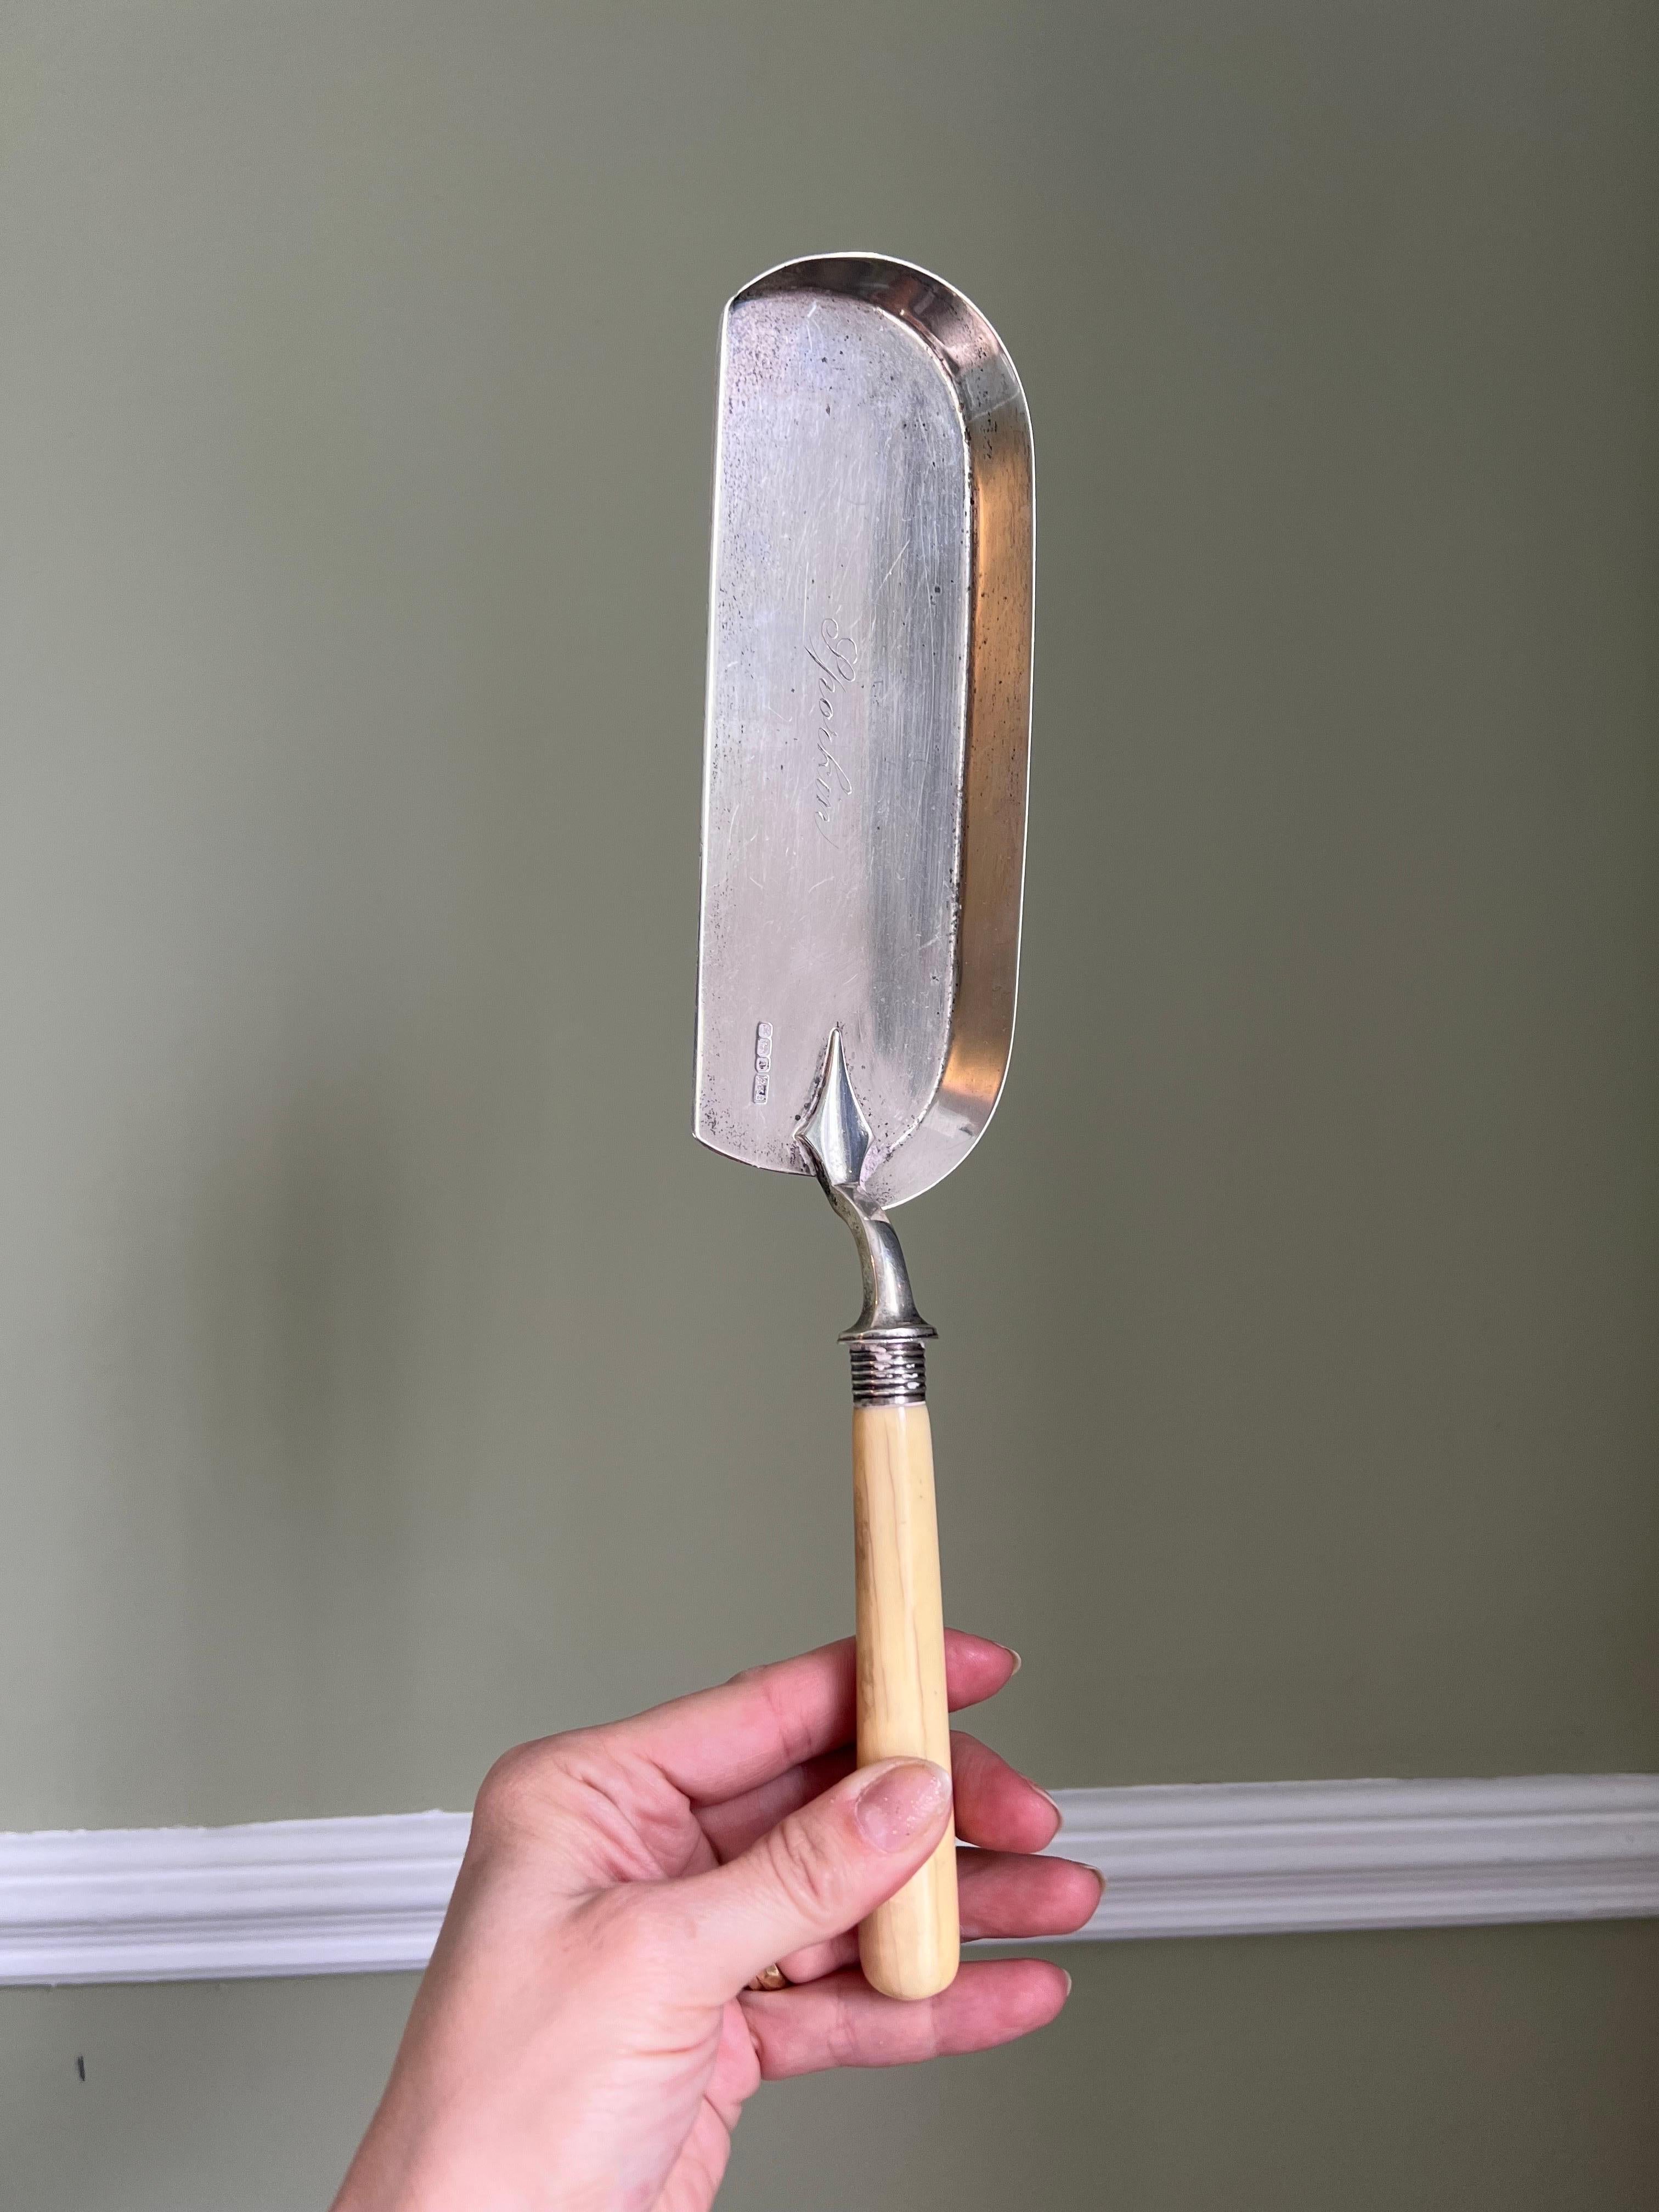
<point>890,1374</point>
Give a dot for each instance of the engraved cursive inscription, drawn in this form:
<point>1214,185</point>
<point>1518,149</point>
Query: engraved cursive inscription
<point>837,665</point>
<point>762,1061</point>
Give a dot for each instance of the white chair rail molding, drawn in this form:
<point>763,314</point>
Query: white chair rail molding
<point>366,1895</point>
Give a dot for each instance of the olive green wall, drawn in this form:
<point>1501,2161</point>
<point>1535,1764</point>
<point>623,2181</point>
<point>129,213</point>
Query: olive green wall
<point>387,1374</point>
<point>1469,2070</point>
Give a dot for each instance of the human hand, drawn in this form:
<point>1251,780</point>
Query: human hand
<point>584,2039</point>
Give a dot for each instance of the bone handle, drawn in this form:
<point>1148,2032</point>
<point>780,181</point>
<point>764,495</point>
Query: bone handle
<point>909,1945</point>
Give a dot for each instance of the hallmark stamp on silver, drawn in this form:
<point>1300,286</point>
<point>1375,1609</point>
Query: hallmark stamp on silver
<point>763,1062</point>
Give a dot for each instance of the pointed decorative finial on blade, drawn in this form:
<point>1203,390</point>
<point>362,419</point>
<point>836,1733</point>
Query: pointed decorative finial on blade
<point>837,1136</point>
<point>886,1339</point>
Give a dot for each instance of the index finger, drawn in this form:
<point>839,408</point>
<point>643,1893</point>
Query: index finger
<point>716,1742</point>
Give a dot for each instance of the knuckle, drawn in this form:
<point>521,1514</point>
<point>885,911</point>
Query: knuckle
<point>519,1788</point>
<point>841,2033</point>
<point>807,1867</point>
<point>502,1792</point>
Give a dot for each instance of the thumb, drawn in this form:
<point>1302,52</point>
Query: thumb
<point>816,1874</point>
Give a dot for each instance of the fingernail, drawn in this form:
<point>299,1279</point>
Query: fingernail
<point>1068,1982</point>
<point>1014,1655</point>
<point>899,1804</point>
<point>1060,1810</point>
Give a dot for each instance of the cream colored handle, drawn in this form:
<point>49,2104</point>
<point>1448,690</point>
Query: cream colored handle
<point>910,1947</point>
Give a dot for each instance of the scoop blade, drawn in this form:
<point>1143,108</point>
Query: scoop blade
<point>868,718</point>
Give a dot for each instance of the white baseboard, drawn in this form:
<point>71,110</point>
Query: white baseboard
<point>1266,1857</point>
<point>366,1896</point>
<point>277,1897</point>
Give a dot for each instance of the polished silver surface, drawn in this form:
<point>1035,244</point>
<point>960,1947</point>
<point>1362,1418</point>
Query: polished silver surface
<point>835,1141</point>
<point>868,713</point>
